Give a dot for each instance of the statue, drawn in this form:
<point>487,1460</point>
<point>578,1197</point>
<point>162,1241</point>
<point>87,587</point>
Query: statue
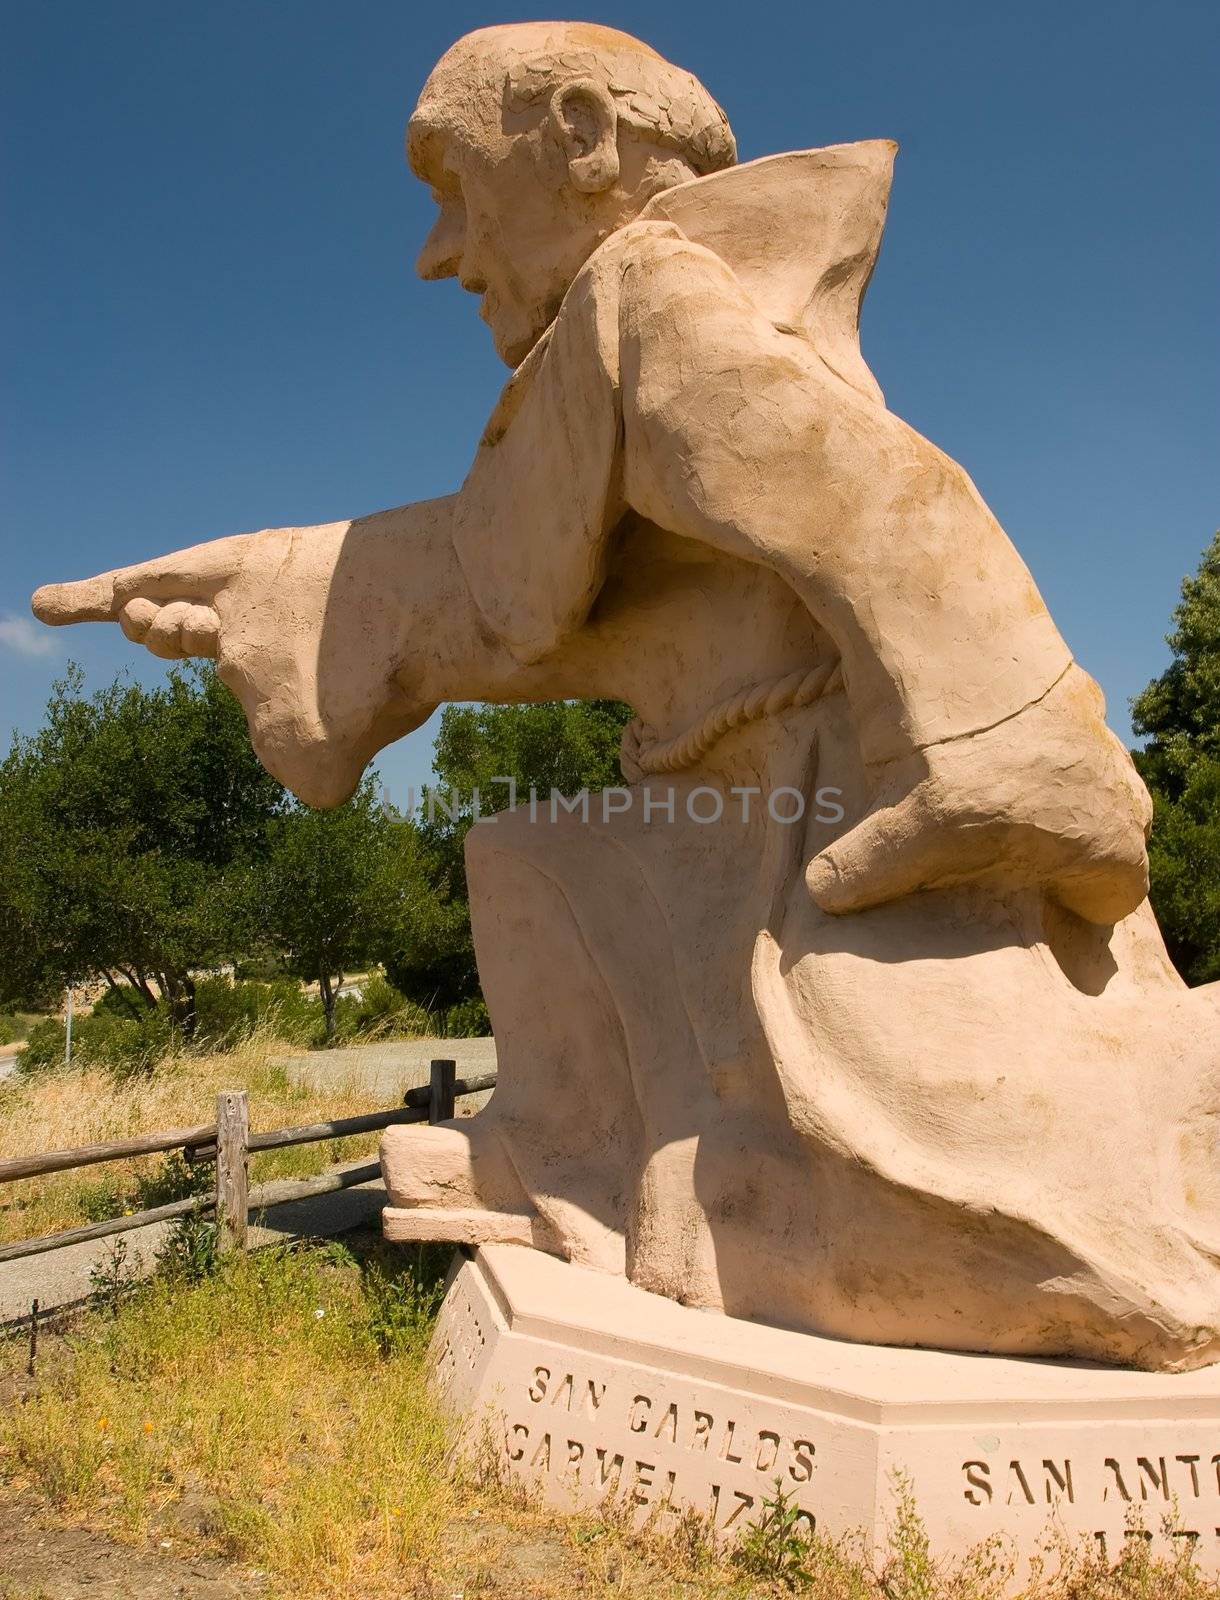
<point>912,1069</point>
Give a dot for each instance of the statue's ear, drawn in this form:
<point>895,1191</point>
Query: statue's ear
<point>584,120</point>
<point>534,515</point>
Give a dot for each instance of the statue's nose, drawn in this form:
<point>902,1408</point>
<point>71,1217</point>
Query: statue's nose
<point>441,256</point>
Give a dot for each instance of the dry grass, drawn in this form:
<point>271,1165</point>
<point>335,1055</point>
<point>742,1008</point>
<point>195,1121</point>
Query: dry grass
<point>60,1110</point>
<point>272,1411</point>
<point>275,1413</point>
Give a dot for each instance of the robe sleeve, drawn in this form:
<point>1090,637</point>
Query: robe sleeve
<point>533,518</point>
<point>738,433</point>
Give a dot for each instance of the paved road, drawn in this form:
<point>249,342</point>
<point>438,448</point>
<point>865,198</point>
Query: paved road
<point>62,1277</point>
<point>8,1065</point>
<point>393,1068</point>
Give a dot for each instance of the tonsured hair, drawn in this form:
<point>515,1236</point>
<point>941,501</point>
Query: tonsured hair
<point>665,104</point>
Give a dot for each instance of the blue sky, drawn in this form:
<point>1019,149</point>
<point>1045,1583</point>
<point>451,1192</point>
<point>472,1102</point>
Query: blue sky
<point>210,322</point>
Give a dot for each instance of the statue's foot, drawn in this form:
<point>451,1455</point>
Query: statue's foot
<point>453,1184</point>
<point>1047,800</point>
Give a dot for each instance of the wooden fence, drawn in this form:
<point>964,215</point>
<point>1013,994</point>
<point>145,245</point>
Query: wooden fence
<point>229,1143</point>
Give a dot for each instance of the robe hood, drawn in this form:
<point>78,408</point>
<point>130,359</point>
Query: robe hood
<point>801,232</point>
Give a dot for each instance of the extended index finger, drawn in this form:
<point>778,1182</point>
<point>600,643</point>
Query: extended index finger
<point>90,600</point>
<point>196,574</point>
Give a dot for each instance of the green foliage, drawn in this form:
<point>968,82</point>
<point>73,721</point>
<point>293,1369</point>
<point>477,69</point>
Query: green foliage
<point>402,1298</point>
<point>778,1545</point>
<point>329,889</point>
<point>189,1251</point>
<point>429,954</point>
<point>565,745</point>
<point>123,824</point>
<point>228,1011</point>
<point>124,1046</point>
<point>144,845</point>
<point>175,1179</point>
<point>260,966</point>
<point>1179,714</point>
<point>910,1572</point>
<point>1180,710</point>
<point>466,1020</point>
<point>380,1012</point>
<point>1184,859</point>
<point>112,1277</point>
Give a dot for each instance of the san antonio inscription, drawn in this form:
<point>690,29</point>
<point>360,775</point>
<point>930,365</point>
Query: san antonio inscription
<point>1182,1486</point>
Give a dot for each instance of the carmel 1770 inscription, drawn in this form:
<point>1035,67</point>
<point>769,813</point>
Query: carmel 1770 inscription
<point>547,1441</point>
<point>656,1423</point>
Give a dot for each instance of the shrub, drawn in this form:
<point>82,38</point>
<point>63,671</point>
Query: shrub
<point>380,1011</point>
<point>123,1046</point>
<point>778,1545</point>
<point>124,1001</point>
<point>265,967</point>
<point>189,1253</point>
<point>226,1012</point>
<point>467,1020</point>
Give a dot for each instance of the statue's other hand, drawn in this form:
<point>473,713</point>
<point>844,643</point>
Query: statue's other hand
<point>1048,800</point>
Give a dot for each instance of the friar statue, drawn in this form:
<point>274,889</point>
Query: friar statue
<point>850,1013</point>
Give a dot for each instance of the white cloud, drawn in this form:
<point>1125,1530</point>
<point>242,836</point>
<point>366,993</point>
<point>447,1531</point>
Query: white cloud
<point>26,638</point>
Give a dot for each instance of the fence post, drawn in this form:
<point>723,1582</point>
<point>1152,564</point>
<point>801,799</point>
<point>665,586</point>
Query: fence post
<point>441,1099</point>
<point>232,1168</point>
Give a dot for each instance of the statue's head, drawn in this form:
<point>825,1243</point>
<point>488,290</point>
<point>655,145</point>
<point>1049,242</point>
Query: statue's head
<point>539,140</point>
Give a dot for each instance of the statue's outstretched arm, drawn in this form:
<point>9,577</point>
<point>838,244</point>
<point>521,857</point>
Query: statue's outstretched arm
<point>328,635</point>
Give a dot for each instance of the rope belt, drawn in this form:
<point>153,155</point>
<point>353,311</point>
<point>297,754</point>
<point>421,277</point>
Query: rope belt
<point>643,752</point>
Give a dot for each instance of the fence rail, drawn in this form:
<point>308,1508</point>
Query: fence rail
<point>229,1142</point>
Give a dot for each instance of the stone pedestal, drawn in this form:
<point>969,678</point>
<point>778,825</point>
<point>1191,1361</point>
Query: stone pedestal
<point>593,1387</point>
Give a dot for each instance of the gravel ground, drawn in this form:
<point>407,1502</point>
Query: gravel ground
<point>42,1561</point>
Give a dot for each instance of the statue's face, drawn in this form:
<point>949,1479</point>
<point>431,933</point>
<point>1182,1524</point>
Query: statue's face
<point>511,229</point>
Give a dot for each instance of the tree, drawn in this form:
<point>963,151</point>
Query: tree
<point>1179,713</point>
<point>332,884</point>
<point>565,745</point>
<point>127,823</point>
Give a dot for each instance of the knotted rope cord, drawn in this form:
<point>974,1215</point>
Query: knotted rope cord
<point>642,752</point>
